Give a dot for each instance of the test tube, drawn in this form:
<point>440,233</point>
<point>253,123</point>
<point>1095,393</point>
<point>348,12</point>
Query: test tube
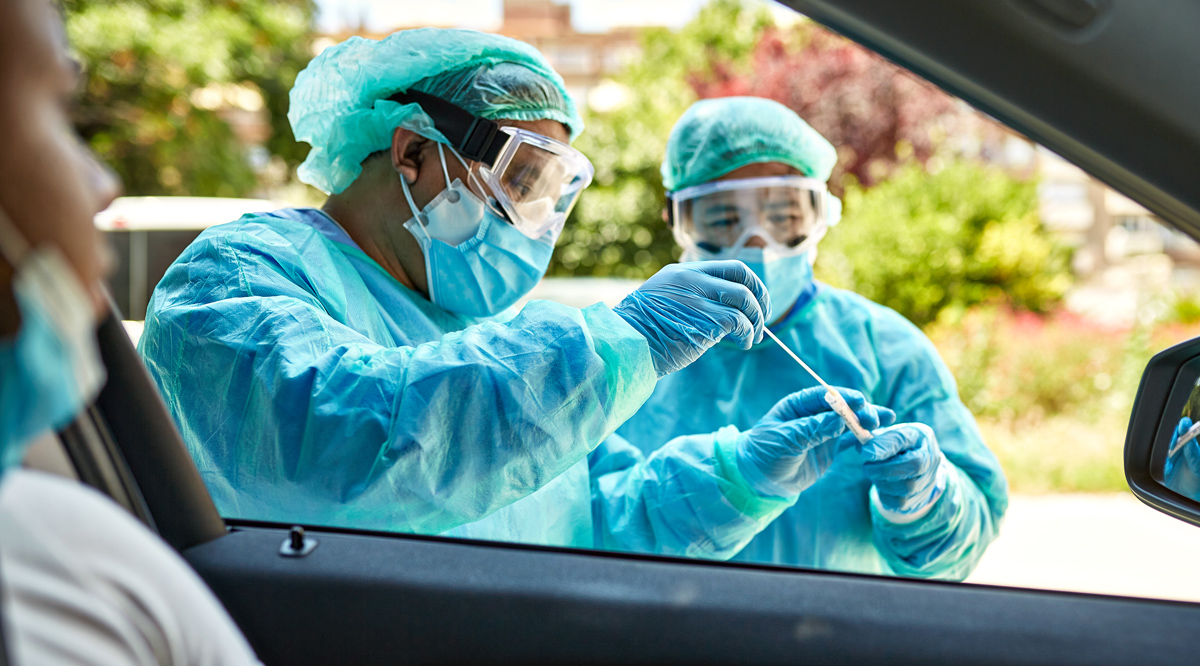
<point>835,399</point>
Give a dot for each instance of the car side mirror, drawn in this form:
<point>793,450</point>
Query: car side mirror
<point>1162,451</point>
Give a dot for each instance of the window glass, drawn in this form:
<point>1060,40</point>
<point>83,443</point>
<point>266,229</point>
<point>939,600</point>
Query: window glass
<point>998,301</point>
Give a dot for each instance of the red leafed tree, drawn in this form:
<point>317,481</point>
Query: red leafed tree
<point>874,112</point>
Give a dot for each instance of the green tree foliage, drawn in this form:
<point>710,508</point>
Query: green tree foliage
<point>617,228</point>
<point>926,243</point>
<point>148,65</point>
<point>923,243</point>
<point>866,106</point>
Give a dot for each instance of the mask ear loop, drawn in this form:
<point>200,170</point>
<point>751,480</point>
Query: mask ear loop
<point>418,214</point>
<point>473,182</point>
<point>451,195</point>
<point>457,157</point>
<point>482,190</point>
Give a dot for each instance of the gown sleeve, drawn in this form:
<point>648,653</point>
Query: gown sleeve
<point>686,499</point>
<point>292,415</point>
<point>948,541</point>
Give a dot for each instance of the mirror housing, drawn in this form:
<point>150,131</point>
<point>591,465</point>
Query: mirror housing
<point>1162,399</point>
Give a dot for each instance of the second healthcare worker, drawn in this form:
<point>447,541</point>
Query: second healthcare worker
<point>746,180</point>
<point>338,366</point>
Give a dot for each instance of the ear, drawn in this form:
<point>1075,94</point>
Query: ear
<point>406,153</point>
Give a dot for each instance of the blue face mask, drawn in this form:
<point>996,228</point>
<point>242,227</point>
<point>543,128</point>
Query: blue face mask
<point>476,263</point>
<point>51,368</point>
<point>786,278</point>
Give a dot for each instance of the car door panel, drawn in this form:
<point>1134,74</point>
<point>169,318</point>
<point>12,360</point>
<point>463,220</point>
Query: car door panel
<point>393,599</point>
<point>374,598</point>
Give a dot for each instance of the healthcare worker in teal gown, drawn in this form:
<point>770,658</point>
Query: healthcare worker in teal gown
<point>342,366</point>
<point>746,180</point>
<point>1181,469</point>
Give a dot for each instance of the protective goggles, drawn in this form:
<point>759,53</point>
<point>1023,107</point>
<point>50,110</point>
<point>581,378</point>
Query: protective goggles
<point>789,213</point>
<point>526,178</point>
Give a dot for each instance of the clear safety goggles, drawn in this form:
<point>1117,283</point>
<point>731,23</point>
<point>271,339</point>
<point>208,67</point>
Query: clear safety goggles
<point>534,182</point>
<point>526,178</point>
<point>789,213</point>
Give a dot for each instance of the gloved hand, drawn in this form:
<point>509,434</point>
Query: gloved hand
<point>1184,425</point>
<point>793,445</point>
<point>684,309</point>
<point>907,468</point>
<point>1182,466</point>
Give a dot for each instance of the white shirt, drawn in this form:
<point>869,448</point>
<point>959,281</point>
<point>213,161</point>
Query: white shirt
<point>86,583</point>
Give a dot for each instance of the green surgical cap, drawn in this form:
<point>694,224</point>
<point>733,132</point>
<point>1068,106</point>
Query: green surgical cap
<point>339,104</point>
<point>716,136</point>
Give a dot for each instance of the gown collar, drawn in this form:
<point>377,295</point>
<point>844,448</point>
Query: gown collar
<point>329,227</point>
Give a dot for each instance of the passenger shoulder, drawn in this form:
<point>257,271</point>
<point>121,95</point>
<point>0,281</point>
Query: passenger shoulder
<point>63,507</point>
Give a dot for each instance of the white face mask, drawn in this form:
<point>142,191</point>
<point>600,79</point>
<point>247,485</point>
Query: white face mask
<point>475,263</point>
<point>786,277</point>
<point>52,368</point>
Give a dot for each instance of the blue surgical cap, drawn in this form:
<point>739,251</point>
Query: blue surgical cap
<point>340,103</point>
<point>716,136</point>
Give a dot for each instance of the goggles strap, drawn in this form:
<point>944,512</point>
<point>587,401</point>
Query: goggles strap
<point>475,138</point>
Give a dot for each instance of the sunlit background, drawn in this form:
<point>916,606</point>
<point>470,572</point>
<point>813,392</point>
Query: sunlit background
<point>1045,291</point>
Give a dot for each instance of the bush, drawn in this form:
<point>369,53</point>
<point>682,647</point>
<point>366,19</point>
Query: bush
<point>1184,308</point>
<point>926,243</point>
<point>1052,394</point>
<point>1060,454</point>
<point>1022,367</point>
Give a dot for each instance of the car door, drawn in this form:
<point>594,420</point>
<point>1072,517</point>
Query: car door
<point>319,596</point>
<point>1107,83</point>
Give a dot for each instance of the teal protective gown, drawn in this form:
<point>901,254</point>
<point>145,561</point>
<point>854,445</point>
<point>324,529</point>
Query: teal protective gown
<point>854,343</point>
<point>311,387</point>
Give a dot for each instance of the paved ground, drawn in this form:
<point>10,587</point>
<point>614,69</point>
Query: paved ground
<point>1110,544</point>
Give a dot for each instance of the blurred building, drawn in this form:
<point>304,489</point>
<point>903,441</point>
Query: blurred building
<point>587,61</point>
<point>1106,228</point>
<point>1124,255</point>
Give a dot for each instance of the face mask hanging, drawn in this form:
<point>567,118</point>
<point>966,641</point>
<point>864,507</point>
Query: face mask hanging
<point>51,368</point>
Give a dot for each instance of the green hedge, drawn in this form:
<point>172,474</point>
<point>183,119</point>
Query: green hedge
<point>927,243</point>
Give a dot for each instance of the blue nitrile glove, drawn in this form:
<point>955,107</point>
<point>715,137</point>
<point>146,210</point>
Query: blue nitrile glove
<point>907,469</point>
<point>684,309</point>
<point>793,445</point>
<point>1184,425</point>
